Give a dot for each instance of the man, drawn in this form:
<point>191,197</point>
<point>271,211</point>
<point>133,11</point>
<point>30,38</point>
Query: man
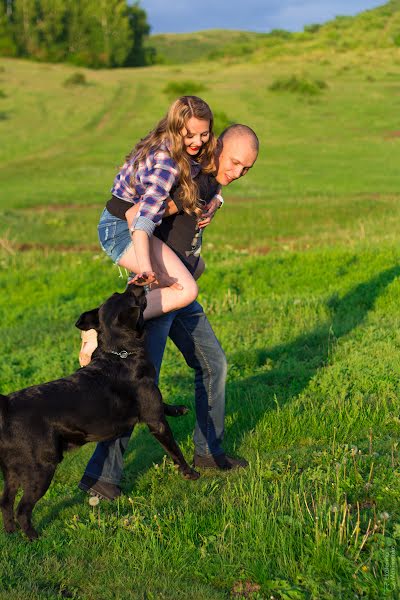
<point>189,329</point>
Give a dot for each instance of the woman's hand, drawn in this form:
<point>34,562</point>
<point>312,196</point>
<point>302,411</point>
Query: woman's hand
<point>144,278</point>
<point>207,216</point>
<point>161,280</point>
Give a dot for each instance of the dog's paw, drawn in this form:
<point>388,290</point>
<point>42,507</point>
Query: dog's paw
<point>10,527</point>
<point>32,534</point>
<point>190,474</point>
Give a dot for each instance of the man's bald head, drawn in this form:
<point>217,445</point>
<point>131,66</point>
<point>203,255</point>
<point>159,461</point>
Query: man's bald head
<point>237,151</point>
<point>240,131</point>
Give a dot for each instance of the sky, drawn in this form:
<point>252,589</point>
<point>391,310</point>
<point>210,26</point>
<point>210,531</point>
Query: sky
<point>184,16</point>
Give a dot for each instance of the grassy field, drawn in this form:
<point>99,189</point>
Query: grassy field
<point>302,287</point>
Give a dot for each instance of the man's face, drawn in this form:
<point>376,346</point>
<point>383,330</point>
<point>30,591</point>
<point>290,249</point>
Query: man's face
<point>236,158</point>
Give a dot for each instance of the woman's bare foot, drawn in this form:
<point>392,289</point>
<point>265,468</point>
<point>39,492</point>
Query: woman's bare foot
<point>89,345</point>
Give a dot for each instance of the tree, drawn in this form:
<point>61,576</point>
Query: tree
<point>139,30</point>
<point>7,44</point>
<point>111,34</point>
<point>24,16</point>
<point>52,29</point>
<point>93,33</point>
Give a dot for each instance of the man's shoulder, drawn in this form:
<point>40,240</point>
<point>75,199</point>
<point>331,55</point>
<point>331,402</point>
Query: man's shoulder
<point>207,186</point>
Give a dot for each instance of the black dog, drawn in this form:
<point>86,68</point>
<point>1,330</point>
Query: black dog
<point>102,401</point>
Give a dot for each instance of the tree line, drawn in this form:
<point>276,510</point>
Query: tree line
<point>92,33</point>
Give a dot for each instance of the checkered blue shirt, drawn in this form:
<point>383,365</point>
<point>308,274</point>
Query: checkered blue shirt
<point>152,182</point>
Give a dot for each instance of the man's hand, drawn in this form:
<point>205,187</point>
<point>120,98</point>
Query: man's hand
<point>207,216</point>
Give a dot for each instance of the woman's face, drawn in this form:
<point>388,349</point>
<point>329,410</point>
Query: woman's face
<point>195,135</point>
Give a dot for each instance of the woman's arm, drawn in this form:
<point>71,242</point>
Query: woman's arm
<point>141,244</point>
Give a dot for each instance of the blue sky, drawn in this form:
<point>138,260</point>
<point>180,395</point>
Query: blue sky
<point>179,16</point>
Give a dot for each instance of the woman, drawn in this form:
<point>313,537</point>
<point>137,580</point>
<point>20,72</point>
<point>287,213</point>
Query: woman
<point>180,146</point>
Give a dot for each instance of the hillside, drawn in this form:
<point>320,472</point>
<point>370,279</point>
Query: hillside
<point>376,28</point>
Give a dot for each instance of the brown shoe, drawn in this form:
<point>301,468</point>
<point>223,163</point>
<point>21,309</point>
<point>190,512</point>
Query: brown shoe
<point>89,345</point>
<point>101,489</point>
<point>221,461</point>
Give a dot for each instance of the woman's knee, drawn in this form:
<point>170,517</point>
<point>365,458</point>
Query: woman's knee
<point>190,291</point>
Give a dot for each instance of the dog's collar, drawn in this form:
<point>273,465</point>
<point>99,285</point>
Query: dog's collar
<point>122,354</point>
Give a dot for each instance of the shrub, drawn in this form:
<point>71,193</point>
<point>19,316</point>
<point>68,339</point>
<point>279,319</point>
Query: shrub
<point>298,85</point>
<point>313,28</point>
<point>280,33</point>
<point>396,39</point>
<point>175,89</point>
<point>3,116</point>
<point>3,94</point>
<point>76,79</point>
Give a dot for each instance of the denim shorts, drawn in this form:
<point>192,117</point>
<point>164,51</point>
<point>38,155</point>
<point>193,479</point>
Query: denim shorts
<point>114,235</point>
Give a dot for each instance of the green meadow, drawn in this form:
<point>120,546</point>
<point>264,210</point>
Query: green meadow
<point>302,287</point>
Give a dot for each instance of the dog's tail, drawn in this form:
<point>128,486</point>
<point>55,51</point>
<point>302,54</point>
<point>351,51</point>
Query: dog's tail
<point>3,409</point>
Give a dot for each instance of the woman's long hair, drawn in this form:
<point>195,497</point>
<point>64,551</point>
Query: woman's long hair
<point>169,129</point>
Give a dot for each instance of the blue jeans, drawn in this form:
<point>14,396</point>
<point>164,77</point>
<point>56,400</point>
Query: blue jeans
<point>192,334</point>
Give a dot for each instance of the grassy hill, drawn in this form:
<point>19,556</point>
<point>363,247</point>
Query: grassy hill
<point>175,48</point>
<point>303,290</point>
<point>376,28</point>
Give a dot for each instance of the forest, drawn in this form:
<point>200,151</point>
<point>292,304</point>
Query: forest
<point>90,33</point>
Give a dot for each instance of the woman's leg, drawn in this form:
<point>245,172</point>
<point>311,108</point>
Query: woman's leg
<point>88,346</point>
<point>160,300</point>
<point>165,262</point>
<point>114,238</point>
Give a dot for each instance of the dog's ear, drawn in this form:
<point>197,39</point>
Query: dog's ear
<point>129,317</point>
<point>88,320</point>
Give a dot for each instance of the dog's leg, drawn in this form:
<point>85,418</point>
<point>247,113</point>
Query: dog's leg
<point>7,500</point>
<point>35,484</point>
<point>162,432</point>
<point>175,410</point>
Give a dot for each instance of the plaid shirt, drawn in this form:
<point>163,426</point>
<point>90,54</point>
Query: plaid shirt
<point>152,182</point>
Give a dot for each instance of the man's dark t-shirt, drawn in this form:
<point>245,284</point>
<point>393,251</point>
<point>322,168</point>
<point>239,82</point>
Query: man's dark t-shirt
<point>180,231</point>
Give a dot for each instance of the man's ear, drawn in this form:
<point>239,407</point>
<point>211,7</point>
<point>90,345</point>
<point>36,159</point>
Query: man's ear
<point>89,320</point>
<point>129,317</point>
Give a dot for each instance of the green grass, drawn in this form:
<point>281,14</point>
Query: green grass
<point>302,287</point>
